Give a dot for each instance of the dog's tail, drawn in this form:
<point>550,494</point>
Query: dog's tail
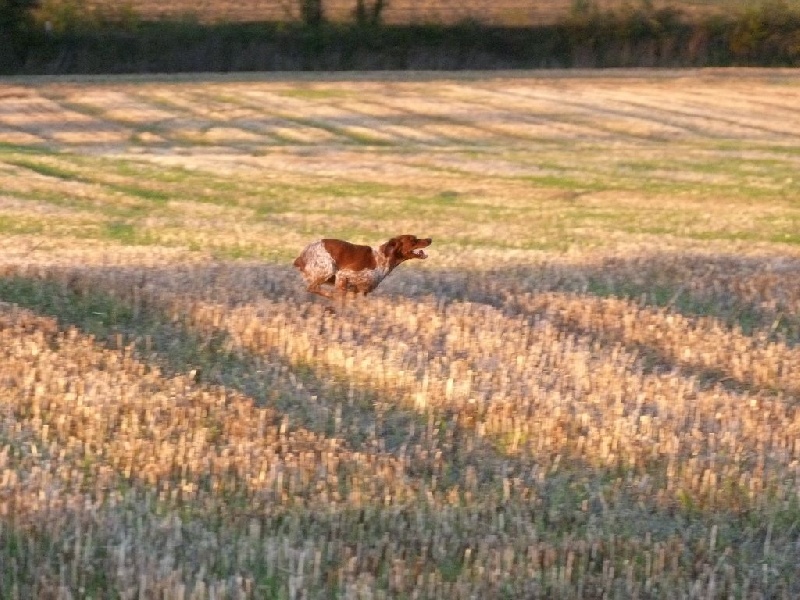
<point>300,262</point>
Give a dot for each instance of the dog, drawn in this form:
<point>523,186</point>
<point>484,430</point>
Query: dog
<point>352,267</point>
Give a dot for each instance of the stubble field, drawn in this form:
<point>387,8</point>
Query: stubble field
<point>589,389</point>
<point>512,13</point>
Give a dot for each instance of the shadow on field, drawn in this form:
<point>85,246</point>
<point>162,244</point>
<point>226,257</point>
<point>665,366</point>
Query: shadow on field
<point>173,316</point>
<point>176,317</point>
<point>143,307</point>
<point>750,292</point>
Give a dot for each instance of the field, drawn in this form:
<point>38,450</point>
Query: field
<point>500,12</point>
<point>588,390</point>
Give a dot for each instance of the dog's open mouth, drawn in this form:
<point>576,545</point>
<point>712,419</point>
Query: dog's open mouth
<point>420,254</point>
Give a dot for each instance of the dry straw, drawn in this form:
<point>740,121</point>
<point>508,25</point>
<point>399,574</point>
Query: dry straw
<point>589,390</point>
<point>555,443</point>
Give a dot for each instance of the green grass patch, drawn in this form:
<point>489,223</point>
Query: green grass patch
<point>7,148</point>
<point>57,172</point>
<point>152,195</point>
<point>122,232</point>
<point>95,313</point>
<point>340,131</point>
<point>785,238</point>
<point>316,93</point>
<point>13,225</point>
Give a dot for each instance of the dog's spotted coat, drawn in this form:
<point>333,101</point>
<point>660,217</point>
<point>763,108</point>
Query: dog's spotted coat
<point>355,268</point>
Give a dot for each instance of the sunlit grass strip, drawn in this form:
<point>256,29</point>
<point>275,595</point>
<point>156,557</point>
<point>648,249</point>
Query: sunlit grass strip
<point>497,421</point>
<point>449,564</point>
<point>427,383</point>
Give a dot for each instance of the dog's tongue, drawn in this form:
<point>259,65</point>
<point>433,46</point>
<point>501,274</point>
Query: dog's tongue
<point>420,254</point>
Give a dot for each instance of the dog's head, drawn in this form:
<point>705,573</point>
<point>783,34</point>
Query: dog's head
<point>405,247</point>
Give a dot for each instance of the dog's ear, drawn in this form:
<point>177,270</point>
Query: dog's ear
<point>390,247</point>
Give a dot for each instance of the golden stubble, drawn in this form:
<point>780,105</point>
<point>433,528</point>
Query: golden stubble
<point>487,422</point>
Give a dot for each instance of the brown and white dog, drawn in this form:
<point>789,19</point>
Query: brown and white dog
<point>351,267</point>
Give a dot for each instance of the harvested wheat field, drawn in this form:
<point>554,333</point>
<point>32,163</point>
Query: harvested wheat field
<point>514,13</point>
<point>589,389</point>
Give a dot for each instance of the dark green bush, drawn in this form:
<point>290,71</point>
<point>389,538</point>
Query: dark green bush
<point>15,30</point>
<point>768,34</point>
<point>633,35</point>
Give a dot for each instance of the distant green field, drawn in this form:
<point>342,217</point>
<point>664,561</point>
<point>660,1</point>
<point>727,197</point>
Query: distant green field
<point>588,389</point>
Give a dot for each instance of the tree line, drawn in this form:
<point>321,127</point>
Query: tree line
<point>630,35</point>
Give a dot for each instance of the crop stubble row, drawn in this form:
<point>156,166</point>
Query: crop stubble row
<point>622,423</point>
